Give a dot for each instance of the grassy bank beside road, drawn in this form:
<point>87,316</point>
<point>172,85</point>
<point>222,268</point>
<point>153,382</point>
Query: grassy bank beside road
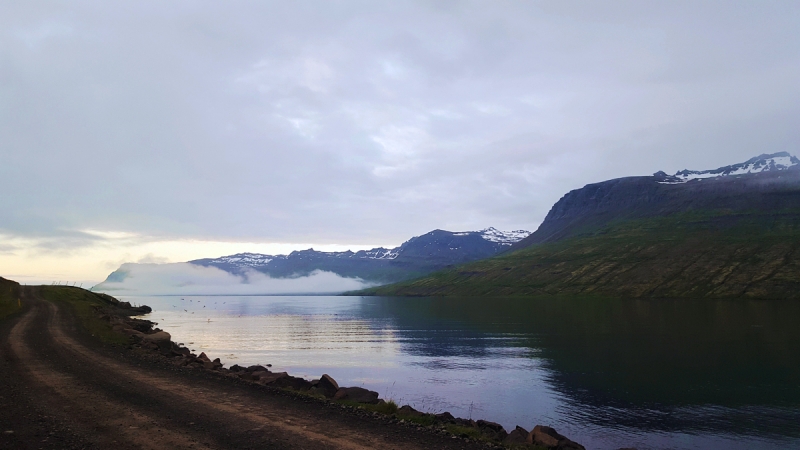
<point>83,305</point>
<point>9,297</point>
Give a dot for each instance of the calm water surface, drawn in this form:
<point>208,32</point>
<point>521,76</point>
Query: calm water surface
<point>611,373</point>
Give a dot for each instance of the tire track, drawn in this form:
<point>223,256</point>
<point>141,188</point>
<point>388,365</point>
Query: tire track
<point>245,409</point>
<point>102,397</point>
<point>113,424</point>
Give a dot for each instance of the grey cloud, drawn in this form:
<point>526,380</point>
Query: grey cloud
<point>8,249</point>
<point>152,259</point>
<point>371,121</point>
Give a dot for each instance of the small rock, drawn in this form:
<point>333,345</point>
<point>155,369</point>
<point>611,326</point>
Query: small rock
<point>180,352</point>
<point>203,357</point>
<point>445,417</point>
<point>406,410</point>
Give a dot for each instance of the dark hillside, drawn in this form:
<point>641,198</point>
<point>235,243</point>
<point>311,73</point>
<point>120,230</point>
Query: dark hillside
<point>584,211</point>
<point>634,237</point>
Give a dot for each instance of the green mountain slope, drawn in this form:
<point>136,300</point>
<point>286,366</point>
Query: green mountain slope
<point>734,233</point>
<point>717,254</point>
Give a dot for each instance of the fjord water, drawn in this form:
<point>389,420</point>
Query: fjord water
<point>607,373</point>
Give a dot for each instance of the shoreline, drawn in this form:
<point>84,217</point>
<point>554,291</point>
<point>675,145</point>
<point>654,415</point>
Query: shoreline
<point>143,336</point>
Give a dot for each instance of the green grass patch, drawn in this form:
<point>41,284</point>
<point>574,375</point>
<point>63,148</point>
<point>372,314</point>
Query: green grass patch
<point>9,298</point>
<point>425,420</point>
<point>83,304</point>
<point>466,432</point>
<point>388,408</point>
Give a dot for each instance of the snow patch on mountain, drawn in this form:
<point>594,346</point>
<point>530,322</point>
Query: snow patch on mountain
<point>258,261</point>
<point>377,253</point>
<point>492,234</point>
<point>761,163</point>
<point>247,259</point>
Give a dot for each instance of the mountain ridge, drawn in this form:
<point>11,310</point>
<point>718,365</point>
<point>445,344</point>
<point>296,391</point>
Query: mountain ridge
<point>596,204</point>
<point>417,256</point>
<point>736,234</point>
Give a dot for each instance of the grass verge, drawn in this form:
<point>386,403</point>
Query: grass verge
<point>466,432</point>
<point>83,304</point>
<point>9,298</point>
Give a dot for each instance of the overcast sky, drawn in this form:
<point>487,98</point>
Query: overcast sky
<point>164,131</point>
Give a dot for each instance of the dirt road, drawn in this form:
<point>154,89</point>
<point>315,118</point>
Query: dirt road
<point>60,388</point>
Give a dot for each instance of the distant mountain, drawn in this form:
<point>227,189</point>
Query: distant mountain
<point>763,163</point>
<point>727,232</point>
<point>417,256</point>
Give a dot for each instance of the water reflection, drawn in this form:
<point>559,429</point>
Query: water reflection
<point>671,365</point>
<point>677,374</point>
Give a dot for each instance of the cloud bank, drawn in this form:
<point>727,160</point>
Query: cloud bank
<point>189,279</point>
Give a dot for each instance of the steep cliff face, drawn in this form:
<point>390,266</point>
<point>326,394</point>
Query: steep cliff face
<point>586,210</point>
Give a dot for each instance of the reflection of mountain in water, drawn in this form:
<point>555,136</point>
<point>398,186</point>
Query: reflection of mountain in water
<point>665,365</point>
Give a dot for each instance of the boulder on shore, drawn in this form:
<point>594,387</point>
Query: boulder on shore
<point>357,395</point>
<point>261,374</point>
<point>492,429</point>
<point>290,382</point>
<point>519,436</point>
<point>160,340</point>
<point>549,438</point>
<point>212,365</point>
<point>326,386</point>
<point>158,337</point>
<point>445,417</point>
<point>129,331</point>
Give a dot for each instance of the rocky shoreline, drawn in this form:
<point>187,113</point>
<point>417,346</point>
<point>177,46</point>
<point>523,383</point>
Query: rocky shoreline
<point>145,337</point>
